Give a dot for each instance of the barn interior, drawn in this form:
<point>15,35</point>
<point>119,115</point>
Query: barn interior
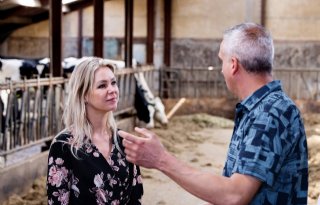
<point>174,43</point>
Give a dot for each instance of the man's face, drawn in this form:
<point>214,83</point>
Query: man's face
<point>226,66</point>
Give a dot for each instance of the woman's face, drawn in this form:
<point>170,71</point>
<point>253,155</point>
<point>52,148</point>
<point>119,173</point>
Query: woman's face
<point>105,93</point>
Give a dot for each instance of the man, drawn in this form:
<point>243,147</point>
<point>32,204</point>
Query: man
<point>267,161</point>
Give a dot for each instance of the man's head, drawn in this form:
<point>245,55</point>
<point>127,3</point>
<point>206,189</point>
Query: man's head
<point>246,52</point>
<point>252,45</point>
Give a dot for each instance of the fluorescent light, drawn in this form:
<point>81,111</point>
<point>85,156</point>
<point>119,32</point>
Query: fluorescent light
<point>28,3</point>
<point>68,1</point>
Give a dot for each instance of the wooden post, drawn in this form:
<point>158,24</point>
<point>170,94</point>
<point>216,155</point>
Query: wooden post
<point>80,35</point>
<point>98,28</point>
<point>150,30</point>
<point>167,32</point>
<point>55,37</point>
<point>128,32</point>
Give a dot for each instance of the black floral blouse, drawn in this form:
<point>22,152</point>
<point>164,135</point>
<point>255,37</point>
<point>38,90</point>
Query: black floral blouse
<point>91,179</point>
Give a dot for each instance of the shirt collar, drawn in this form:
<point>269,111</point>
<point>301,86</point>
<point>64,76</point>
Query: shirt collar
<point>250,102</point>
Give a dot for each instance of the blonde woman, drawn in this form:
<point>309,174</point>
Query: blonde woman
<point>86,163</point>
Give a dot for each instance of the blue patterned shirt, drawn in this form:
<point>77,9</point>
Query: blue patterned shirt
<point>269,143</point>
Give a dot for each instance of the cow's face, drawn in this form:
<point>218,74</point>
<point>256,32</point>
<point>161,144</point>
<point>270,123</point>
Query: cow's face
<point>105,92</point>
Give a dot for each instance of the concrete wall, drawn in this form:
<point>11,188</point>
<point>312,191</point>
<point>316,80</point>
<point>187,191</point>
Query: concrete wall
<point>295,26</point>
<point>18,178</point>
<point>197,28</point>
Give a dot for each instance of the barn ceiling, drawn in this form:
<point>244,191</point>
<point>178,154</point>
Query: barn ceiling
<point>15,14</point>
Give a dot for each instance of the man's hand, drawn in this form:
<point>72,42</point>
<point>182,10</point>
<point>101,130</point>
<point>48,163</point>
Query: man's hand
<point>146,151</point>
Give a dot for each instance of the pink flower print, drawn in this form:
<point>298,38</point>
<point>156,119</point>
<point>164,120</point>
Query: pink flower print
<point>112,182</point>
<point>50,202</point>
<point>115,202</point>
<point>110,194</point>
<point>116,168</point>
<point>50,160</point>
<point>76,190</point>
<point>63,196</point>
<point>121,160</point>
<point>59,161</point>
<point>139,179</point>
<point>98,180</point>
<point>74,186</point>
<point>96,154</point>
<point>135,171</point>
<point>110,161</point>
<point>57,175</point>
<point>101,196</point>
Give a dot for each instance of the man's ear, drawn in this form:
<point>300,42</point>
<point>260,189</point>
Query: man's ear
<point>235,65</point>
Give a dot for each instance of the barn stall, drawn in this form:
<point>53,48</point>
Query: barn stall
<point>203,87</point>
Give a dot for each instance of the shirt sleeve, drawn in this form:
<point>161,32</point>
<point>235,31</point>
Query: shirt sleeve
<point>263,148</point>
<point>59,174</point>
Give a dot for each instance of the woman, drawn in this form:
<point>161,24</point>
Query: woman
<point>86,163</point>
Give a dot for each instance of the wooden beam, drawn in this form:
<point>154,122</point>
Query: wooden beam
<point>167,32</point>
<point>128,32</point>
<point>80,36</point>
<point>80,5</point>
<point>98,28</point>
<point>55,37</point>
<point>16,20</point>
<point>11,12</point>
<point>263,12</point>
<point>150,30</point>
<point>40,17</point>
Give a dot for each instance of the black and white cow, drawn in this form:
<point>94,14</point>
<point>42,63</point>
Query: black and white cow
<point>149,108</point>
<point>17,69</point>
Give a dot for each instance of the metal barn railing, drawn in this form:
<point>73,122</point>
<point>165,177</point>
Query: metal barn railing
<point>300,83</point>
<point>32,115</point>
<point>192,83</point>
<point>34,110</point>
<point>209,82</point>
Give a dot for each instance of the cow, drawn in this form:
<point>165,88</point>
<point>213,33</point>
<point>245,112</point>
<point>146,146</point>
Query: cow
<point>67,65</point>
<point>17,69</point>
<point>149,108</point>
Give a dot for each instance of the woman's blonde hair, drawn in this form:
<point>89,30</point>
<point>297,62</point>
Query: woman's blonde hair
<point>74,115</point>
